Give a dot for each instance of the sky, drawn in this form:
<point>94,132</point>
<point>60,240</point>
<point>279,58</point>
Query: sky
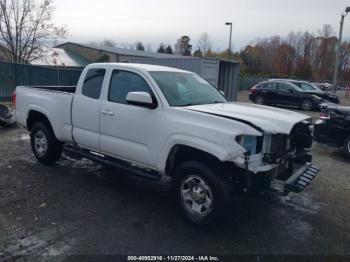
<point>155,21</point>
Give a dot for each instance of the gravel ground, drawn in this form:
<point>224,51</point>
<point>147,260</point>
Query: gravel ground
<point>79,208</point>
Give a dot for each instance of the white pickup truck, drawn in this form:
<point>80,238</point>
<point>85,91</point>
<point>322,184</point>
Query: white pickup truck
<point>159,122</point>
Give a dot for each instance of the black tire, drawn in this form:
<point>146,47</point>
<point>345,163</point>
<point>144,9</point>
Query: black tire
<point>53,150</point>
<point>219,192</point>
<point>306,105</point>
<point>259,100</point>
<point>346,147</point>
<point>3,124</point>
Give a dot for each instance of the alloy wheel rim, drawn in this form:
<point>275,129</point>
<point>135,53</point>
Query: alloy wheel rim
<point>40,143</point>
<point>196,196</point>
<point>306,105</point>
<point>259,100</point>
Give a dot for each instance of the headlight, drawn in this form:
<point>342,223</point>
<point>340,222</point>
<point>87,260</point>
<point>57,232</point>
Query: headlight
<point>253,144</point>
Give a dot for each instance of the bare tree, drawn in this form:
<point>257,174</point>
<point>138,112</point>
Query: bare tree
<point>26,26</point>
<point>108,43</point>
<point>204,43</point>
<point>326,51</point>
<point>183,46</point>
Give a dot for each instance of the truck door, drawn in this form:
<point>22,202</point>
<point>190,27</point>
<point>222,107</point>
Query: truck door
<point>86,109</point>
<point>128,131</point>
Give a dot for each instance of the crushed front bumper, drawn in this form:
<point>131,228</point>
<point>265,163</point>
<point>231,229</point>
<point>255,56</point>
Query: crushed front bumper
<point>298,181</point>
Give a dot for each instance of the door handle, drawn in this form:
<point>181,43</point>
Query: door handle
<point>107,112</point>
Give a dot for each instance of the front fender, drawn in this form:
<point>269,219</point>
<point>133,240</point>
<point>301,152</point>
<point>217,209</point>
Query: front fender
<point>225,149</point>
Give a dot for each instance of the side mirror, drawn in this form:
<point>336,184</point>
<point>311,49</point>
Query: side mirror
<point>143,99</point>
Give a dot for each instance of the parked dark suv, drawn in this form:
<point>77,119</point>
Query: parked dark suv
<point>284,93</point>
<point>313,90</point>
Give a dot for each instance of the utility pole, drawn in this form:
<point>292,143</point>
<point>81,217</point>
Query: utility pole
<point>229,46</point>
<point>337,51</point>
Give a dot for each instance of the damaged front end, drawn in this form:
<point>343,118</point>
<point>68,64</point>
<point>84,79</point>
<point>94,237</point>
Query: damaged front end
<point>278,162</point>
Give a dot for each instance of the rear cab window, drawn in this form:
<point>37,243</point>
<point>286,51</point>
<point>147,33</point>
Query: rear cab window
<point>93,82</point>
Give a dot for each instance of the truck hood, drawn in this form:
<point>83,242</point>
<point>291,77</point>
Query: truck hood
<point>263,118</point>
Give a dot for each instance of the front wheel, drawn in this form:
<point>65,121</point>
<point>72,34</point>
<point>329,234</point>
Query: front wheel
<point>306,105</point>
<point>259,100</point>
<point>202,196</point>
<point>46,148</point>
<point>346,147</point>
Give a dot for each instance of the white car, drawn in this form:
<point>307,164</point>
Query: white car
<point>163,122</point>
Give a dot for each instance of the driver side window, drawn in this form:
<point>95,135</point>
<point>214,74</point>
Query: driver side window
<point>122,83</point>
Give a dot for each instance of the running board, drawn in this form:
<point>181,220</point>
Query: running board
<point>134,169</point>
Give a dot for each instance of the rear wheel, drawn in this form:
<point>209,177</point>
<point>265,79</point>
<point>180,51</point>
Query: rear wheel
<point>306,105</point>
<point>201,195</point>
<point>46,148</point>
<point>346,147</point>
<point>259,100</point>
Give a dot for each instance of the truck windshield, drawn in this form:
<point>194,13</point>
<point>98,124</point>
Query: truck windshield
<point>186,89</point>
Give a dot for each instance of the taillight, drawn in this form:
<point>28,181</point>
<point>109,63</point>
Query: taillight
<point>325,116</point>
<point>14,96</point>
<point>253,89</point>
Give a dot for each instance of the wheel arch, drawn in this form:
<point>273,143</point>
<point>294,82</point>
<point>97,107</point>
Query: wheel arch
<point>180,153</point>
<point>34,117</point>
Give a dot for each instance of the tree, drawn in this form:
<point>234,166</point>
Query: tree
<point>211,53</point>
<point>169,50</point>
<point>303,69</point>
<point>204,43</point>
<point>326,51</point>
<point>183,46</point>
<point>161,48</point>
<point>108,43</point>
<point>26,26</point>
<point>103,58</point>
<point>140,46</point>
<point>198,53</point>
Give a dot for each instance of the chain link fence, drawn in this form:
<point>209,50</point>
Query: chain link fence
<point>12,75</point>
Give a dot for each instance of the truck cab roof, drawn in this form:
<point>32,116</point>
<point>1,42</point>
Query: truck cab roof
<point>141,67</point>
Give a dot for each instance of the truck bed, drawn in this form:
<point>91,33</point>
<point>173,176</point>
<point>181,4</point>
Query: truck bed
<point>53,101</point>
<point>65,89</point>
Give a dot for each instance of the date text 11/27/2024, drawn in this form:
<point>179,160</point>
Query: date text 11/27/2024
<point>173,258</point>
